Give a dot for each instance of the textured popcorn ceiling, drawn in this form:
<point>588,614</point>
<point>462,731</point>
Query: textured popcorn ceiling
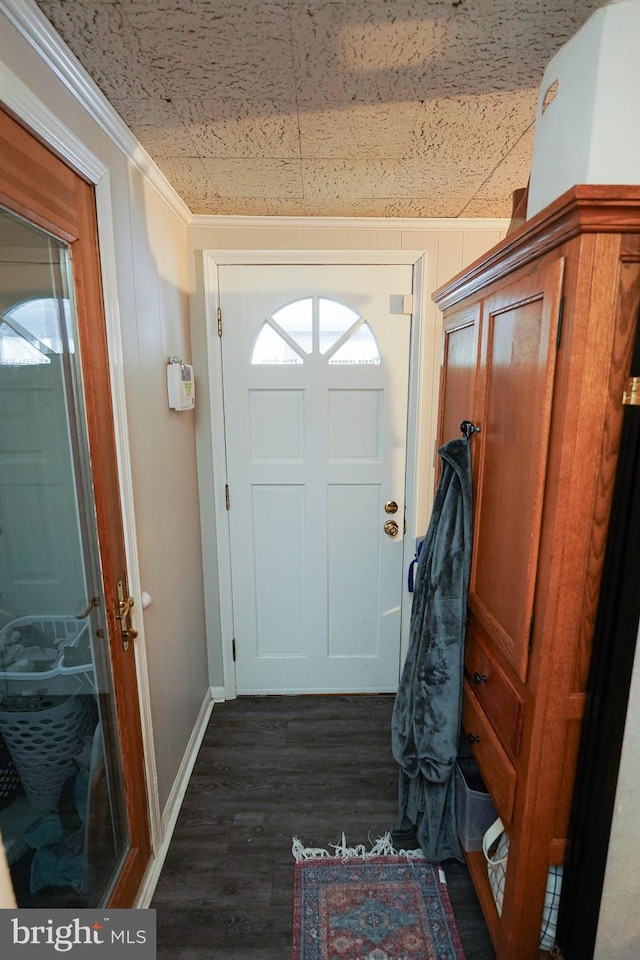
<point>409,108</point>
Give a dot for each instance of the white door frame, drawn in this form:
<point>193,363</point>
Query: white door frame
<point>217,555</point>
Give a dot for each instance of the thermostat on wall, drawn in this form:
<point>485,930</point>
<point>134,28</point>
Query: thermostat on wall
<point>180,385</point>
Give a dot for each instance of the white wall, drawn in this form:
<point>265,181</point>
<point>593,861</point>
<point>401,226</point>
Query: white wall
<point>449,246</point>
<point>149,283</point>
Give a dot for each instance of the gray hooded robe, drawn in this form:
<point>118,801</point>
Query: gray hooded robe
<point>426,716</point>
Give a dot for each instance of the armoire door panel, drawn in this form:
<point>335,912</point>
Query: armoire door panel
<point>459,366</point>
<point>517,373</point>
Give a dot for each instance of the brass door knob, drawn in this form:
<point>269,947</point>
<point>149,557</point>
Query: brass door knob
<point>391,528</point>
<point>391,506</point>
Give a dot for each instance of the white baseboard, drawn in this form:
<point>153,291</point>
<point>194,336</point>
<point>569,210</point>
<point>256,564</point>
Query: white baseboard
<point>218,695</point>
<point>172,809</point>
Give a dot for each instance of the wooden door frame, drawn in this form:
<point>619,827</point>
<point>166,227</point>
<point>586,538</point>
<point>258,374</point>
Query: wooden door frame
<point>20,102</point>
<point>106,395</point>
<point>212,458</point>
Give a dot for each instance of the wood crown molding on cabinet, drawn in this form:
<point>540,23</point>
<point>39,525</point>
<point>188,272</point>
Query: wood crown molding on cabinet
<point>585,208</point>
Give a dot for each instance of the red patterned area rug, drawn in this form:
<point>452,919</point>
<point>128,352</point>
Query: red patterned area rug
<point>380,908</point>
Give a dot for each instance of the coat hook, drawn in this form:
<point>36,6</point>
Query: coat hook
<point>467,428</point>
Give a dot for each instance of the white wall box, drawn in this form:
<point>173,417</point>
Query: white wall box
<point>587,123</point>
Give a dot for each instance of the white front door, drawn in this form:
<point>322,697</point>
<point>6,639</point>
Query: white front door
<point>315,368</point>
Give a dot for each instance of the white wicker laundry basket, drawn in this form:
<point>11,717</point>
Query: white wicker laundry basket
<point>60,632</point>
<point>44,741</point>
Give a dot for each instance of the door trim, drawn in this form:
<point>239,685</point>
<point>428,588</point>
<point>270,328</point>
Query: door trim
<point>19,101</point>
<point>216,550</point>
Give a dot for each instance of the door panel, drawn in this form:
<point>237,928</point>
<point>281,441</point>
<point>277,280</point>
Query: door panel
<point>353,569</point>
<point>461,342</point>
<point>517,370</point>
<point>278,531</point>
<point>315,365</point>
<point>59,485</point>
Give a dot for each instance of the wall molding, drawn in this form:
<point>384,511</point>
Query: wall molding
<point>23,104</point>
<point>34,27</point>
<point>313,257</point>
<point>348,223</point>
<point>174,803</point>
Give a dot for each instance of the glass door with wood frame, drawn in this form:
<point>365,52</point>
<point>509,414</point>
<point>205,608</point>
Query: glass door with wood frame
<point>62,808</point>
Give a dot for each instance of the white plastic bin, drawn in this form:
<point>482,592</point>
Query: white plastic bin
<point>475,811</point>
<point>587,128</point>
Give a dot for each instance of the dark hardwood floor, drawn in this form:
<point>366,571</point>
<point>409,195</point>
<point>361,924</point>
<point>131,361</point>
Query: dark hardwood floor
<point>271,768</point>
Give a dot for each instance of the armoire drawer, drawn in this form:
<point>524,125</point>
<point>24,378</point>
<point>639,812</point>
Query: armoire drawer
<point>493,762</point>
<point>496,695</point>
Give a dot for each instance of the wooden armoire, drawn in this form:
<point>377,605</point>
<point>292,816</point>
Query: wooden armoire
<point>536,352</point>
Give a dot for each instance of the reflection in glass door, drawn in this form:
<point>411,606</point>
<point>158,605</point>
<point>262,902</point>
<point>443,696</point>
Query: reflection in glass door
<point>62,810</point>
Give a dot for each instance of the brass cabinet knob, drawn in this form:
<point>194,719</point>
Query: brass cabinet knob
<point>391,528</point>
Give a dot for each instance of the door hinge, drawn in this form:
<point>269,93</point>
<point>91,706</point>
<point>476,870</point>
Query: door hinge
<point>219,321</point>
<point>227,501</point>
<point>560,319</point>
<point>531,628</point>
<point>631,395</point>
<point>233,649</point>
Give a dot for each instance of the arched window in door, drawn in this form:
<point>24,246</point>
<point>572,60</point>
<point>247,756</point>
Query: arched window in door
<point>34,329</point>
<point>315,325</point>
